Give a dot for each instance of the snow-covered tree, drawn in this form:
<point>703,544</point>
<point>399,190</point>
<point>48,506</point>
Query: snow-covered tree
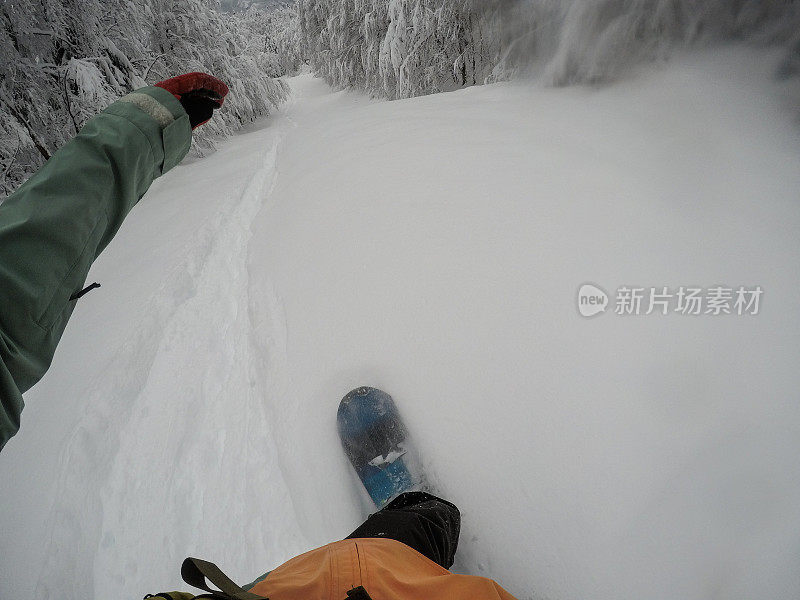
<point>334,39</point>
<point>273,36</point>
<point>55,68</point>
<point>23,113</point>
<point>62,61</point>
<point>398,48</point>
<point>431,46</point>
<point>401,48</point>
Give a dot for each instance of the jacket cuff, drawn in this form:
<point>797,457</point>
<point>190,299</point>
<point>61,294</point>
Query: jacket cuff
<point>164,108</point>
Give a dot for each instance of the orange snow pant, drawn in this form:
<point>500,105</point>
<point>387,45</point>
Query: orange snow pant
<point>385,568</point>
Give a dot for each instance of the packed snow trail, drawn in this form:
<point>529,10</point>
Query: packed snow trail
<point>433,248</point>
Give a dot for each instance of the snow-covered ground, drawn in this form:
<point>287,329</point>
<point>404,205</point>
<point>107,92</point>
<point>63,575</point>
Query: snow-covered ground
<point>434,247</point>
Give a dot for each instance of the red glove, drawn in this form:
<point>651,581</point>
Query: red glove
<point>199,94</point>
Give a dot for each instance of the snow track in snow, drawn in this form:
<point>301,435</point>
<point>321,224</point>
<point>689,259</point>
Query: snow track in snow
<point>209,411</point>
<point>165,425</point>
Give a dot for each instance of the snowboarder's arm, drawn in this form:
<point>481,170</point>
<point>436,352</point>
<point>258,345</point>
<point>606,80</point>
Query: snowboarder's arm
<point>55,225</point>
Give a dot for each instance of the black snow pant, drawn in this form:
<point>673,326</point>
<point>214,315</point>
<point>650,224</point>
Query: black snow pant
<point>428,524</point>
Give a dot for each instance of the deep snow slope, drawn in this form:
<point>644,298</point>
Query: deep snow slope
<point>434,247</point>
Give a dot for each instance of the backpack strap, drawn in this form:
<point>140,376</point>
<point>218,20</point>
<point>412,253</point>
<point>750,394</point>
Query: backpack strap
<point>195,572</point>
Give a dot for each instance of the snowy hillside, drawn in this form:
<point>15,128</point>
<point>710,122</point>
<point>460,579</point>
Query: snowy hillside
<point>434,247</point>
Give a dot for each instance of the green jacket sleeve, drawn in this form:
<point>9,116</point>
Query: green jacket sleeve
<point>55,225</point>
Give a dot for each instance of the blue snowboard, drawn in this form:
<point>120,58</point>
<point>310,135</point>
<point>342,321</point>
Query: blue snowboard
<point>375,440</point>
